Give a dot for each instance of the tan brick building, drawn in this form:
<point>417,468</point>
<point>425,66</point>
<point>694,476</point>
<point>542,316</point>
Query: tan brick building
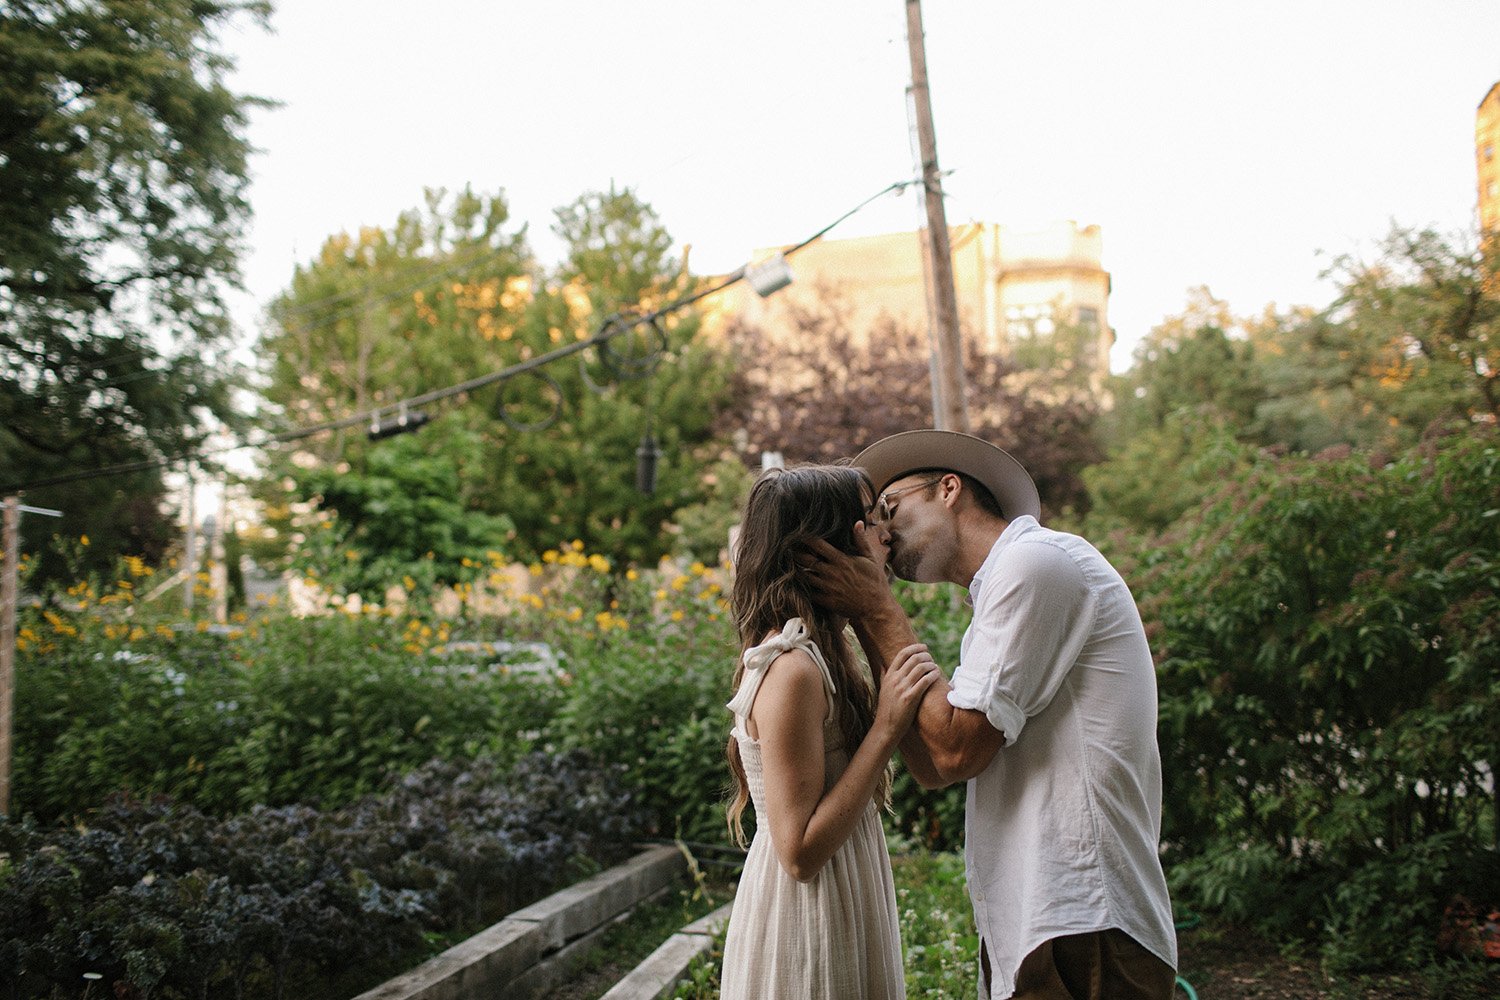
<point>1012,284</point>
<point>1487,159</point>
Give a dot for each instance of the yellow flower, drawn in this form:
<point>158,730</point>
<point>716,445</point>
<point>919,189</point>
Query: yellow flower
<point>631,574</point>
<point>84,539</point>
<point>677,615</point>
<point>599,563</point>
<point>535,569</point>
<point>550,556</point>
<point>577,545</point>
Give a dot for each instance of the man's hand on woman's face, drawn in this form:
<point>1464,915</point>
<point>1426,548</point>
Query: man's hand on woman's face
<point>848,585</point>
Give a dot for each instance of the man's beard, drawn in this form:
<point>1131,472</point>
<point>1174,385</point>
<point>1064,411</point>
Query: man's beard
<point>903,561</point>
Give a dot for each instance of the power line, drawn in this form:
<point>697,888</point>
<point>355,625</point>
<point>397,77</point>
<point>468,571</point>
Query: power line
<point>611,328</point>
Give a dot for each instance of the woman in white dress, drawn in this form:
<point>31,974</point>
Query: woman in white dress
<point>815,912</point>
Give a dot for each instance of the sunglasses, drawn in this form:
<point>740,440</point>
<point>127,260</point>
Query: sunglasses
<point>883,506</point>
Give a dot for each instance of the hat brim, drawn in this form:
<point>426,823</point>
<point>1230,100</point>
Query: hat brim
<point>912,451</point>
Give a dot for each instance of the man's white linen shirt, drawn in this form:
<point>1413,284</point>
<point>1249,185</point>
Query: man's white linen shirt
<point>1063,826</point>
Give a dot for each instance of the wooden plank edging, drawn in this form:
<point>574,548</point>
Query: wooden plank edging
<point>655,977</point>
<point>485,963</point>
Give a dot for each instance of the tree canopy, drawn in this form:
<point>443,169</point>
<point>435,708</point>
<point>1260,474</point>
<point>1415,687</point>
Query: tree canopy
<point>123,168</point>
<point>822,389</point>
<point>450,293</point>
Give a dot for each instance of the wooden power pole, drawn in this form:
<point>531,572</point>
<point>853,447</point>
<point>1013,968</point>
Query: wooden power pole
<point>950,411</point>
<point>8,597</point>
<point>10,573</point>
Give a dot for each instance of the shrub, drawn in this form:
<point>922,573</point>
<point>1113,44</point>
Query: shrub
<point>1327,632</point>
<point>282,710</point>
<point>160,899</point>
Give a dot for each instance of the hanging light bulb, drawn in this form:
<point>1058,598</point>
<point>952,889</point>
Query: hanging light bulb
<point>645,464</point>
<point>404,421</point>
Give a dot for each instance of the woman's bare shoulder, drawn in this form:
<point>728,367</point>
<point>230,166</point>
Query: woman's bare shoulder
<point>793,680</point>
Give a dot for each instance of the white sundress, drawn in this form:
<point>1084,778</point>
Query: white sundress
<point>836,937</point>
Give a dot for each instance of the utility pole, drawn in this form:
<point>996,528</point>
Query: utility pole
<point>8,589</point>
<point>10,574</point>
<point>950,411</point>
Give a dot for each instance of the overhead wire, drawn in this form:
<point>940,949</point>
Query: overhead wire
<point>362,300</point>
<point>613,327</point>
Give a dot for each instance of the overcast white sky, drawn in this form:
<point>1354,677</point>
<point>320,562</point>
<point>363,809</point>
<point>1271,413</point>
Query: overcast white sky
<point>1234,145</point>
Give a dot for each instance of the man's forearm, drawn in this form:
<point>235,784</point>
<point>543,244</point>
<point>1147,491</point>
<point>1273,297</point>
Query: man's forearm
<point>882,636</point>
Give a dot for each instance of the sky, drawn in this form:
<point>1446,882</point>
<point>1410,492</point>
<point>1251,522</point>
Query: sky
<point>1239,146</point>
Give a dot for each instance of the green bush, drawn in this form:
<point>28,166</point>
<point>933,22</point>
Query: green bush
<point>284,711</point>
<point>1327,632</point>
<point>653,700</point>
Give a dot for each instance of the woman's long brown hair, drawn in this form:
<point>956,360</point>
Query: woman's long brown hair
<point>786,509</point>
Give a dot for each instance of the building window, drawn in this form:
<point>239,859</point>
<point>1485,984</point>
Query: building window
<point>1088,316</point>
<point>1489,152</point>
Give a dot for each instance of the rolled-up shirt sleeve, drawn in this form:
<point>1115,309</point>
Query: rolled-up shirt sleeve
<point>1031,620</point>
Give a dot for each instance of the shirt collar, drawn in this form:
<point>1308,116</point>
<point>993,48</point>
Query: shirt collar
<point>1012,530</point>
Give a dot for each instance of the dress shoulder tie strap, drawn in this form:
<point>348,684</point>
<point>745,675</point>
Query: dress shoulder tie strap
<point>758,660</point>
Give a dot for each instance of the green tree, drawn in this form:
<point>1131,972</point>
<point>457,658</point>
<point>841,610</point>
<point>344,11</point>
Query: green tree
<point>577,478</point>
<point>1189,362</point>
<point>449,295</point>
<point>407,512</point>
<point>387,314</point>
<point>616,246</point>
<point>122,201</point>
<point>1323,386</point>
<point>1428,309</point>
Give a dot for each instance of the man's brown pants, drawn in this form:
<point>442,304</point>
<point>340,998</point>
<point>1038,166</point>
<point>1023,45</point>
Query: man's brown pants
<point>1102,965</point>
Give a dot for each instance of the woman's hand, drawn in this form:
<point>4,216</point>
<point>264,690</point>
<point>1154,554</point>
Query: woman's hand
<point>902,687</point>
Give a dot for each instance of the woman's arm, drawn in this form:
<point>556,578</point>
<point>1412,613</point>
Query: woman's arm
<point>806,825</point>
<point>913,750</point>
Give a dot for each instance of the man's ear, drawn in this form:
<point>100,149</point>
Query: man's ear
<point>952,488</point>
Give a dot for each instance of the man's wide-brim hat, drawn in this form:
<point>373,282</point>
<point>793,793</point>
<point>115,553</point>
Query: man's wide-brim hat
<point>916,451</point>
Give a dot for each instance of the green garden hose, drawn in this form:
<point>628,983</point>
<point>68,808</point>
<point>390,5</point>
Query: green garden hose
<point>1187,923</point>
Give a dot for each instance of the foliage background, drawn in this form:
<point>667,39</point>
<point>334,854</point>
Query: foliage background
<point>123,175</point>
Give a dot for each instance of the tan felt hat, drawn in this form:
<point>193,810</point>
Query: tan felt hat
<point>913,451</point>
